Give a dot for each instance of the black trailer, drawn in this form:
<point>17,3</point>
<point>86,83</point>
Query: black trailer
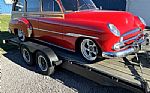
<point>130,72</point>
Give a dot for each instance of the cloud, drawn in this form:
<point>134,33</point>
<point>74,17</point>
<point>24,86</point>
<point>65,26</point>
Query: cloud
<point>8,1</point>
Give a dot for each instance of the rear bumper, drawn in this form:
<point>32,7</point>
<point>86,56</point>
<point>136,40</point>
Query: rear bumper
<point>134,48</point>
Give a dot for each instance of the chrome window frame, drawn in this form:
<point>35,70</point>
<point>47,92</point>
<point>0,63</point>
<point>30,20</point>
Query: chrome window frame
<point>56,14</point>
<point>64,10</point>
<point>41,13</point>
<point>14,5</point>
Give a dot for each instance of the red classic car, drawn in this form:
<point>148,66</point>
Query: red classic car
<point>77,25</point>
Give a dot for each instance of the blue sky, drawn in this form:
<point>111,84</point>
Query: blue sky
<point>5,6</point>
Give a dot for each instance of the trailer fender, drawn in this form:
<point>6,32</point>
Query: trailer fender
<point>52,56</point>
<point>34,48</point>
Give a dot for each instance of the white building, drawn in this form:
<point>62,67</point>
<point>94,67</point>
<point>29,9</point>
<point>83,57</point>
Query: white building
<point>8,1</point>
<point>140,8</point>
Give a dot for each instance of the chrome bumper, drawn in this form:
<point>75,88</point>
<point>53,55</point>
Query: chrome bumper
<point>123,53</point>
<point>135,47</point>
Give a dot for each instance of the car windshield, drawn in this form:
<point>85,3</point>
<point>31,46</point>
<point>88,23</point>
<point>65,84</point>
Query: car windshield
<point>77,5</point>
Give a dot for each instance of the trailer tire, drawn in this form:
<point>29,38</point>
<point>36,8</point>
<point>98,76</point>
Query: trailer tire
<point>27,55</point>
<point>44,64</point>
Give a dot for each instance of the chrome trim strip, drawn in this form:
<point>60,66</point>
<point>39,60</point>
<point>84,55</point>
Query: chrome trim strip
<point>132,31</point>
<point>123,53</point>
<point>67,34</point>
<point>79,35</point>
<point>133,38</point>
<point>48,31</point>
<point>63,24</point>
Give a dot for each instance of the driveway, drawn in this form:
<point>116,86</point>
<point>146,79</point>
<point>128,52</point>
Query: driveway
<point>17,77</point>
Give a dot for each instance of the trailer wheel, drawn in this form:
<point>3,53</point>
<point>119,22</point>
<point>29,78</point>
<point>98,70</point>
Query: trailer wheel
<point>27,55</point>
<point>45,66</point>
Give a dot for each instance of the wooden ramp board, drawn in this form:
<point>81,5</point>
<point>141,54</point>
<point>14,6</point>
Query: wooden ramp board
<point>114,67</point>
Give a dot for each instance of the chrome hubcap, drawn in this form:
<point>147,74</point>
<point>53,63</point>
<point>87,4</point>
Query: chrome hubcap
<point>26,55</point>
<point>89,49</point>
<point>21,35</point>
<point>42,62</point>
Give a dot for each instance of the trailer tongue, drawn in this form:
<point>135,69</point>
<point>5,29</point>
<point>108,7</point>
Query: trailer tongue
<point>130,72</point>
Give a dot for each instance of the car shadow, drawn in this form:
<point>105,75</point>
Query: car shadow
<point>71,80</point>
<point>3,36</point>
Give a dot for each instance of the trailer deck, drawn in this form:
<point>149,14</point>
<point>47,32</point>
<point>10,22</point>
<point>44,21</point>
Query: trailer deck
<point>111,72</point>
<point>117,69</point>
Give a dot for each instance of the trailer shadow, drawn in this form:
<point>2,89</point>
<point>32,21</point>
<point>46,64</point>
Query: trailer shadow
<point>5,35</point>
<point>144,58</point>
<point>71,80</point>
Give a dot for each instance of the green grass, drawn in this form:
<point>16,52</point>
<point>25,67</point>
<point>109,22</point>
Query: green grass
<point>4,34</point>
<point>4,22</point>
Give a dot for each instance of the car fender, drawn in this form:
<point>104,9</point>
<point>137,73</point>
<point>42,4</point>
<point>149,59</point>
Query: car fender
<point>27,24</point>
<point>139,23</point>
<point>95,30</point>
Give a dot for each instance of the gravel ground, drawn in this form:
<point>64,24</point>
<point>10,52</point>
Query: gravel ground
<point>17,77</point>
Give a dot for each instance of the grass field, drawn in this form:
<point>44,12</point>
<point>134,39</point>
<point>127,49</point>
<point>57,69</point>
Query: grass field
<point>4,34</point>
<point>4,21</point>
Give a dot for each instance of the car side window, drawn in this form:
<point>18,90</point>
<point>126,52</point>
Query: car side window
<point>51,5</point>
<point>70,5</point>
<point>56,7</point>
<point>33,5</point>
<point>19,6</point>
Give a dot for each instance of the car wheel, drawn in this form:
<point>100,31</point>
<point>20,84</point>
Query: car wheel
<point>21,36</point>
<point>27,55</point>
<point>89,49</point>
<point>44,64</point>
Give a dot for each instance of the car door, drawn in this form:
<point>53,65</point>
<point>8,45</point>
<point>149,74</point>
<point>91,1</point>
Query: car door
<point>50,27</point>
<point>33,13</point>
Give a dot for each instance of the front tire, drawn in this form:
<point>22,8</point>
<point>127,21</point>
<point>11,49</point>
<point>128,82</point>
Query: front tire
<point>45,66</point>
<point>89,50</point>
